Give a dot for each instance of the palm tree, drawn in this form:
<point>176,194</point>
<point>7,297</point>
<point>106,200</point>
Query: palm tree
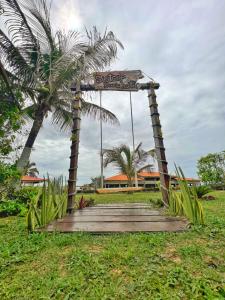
<point>43,65</point>
<point>127,161</point>
<point>31,169</point>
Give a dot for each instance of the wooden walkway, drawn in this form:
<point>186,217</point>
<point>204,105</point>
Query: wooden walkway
<point>109,218</point>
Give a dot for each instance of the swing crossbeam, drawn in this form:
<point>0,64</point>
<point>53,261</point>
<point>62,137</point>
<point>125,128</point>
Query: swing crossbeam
<point>141,86</point>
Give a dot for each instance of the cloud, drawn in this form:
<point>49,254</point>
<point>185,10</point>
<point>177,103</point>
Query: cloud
<point>179,44</point>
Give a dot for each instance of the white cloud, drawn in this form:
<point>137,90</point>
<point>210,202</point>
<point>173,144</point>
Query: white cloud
<point>180,44</point>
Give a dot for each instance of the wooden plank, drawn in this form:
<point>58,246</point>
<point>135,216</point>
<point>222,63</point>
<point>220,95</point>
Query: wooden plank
<point>122,218</point>
<point>111,218</point>
<point>109,227</point>
<point>114,212</point>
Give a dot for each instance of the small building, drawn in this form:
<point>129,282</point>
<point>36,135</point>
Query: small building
<point>31,181</point>
<point>145,180</point>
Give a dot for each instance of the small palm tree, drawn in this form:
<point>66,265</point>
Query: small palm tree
<point>126,160</point>
<point>31,170</point>
<point>43,64</point>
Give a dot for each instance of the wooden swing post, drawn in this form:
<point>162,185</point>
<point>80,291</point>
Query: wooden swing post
<point>75,139</point>
<point>159,146</point>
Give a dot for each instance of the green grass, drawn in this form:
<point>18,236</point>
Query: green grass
<point>188,265</point>
<point>146,197</point>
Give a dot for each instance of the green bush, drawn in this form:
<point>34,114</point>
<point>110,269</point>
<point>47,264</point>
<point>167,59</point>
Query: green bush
<point>202,190</point>
<point>8,176</point>
<point>12,208</point>
<point>25,194</point>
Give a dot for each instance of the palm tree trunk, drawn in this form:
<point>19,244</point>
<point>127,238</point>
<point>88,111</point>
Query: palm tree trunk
<point>74,151</point>
<point>38,121</point>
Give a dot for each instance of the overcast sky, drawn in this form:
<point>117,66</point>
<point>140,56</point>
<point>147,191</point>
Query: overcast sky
<point>181,44</point>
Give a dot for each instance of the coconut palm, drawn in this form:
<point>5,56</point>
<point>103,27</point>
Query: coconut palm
<point>31,169</point>
<point>126,160</point>
<point>43,64</point>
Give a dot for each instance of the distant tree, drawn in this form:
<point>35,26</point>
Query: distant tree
<point>96,182</point>
<point>31,169</point>
<point>44,64</point>
<point>211,168</point>
<point>126,160</point>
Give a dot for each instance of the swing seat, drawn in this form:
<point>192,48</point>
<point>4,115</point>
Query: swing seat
<point>119,190</point>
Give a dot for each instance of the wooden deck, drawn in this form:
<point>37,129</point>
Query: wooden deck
<point>112,218</point>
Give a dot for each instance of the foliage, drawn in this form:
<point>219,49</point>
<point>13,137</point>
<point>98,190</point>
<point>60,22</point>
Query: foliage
<point>127,161</point>
<point>25,194</point>
<point>31,169</point>
<point>44,64</point>
<point>188,265</point>
<point>49,205</point>
<point>186,202</point>
<point>82,203</point>
<point>211,168</point>
<point>96,182</point>
<point>10,120</point>
<point>12,208</point>
<point>8,173</point>
<point>202,190</point>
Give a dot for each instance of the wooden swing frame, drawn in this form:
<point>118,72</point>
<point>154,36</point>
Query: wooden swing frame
<point>157,135</point>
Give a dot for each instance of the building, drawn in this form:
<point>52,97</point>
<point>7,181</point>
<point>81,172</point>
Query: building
<point>31,181</point>
<point>145,180</point>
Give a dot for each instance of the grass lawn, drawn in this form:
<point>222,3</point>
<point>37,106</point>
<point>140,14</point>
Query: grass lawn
<point>189,265</point>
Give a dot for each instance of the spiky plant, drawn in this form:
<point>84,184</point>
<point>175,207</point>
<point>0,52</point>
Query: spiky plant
<point>50,204</point>
<point>43,64</point>
<point>185,203</point>
<point>126,160</point>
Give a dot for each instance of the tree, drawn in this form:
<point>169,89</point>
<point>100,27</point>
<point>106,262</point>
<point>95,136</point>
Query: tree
<point>31,169</point>
<point>96,182</point>
<point>127,161</point>
<point>44,64</point>
<point>10,119</point>
<point>211,168</point>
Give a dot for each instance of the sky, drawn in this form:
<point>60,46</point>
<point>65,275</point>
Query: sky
<point>181,44</point>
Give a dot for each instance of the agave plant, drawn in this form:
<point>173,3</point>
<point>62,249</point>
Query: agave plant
<point>50,204</point>
<point>43,64</point>
<point>185,203</point>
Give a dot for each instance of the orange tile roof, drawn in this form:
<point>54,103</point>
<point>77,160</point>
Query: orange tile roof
<point>122,177</point>
<point>119,177</point>
<point>188,179</point>
<point>27,178</point>
<point>148,174</point>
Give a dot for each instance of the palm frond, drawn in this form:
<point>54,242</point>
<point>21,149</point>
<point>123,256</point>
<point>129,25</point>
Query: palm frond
<point>18,25</point>
<point>99,53</point>
<point>63,118</point>
<point>95,111</point>
<point>14,60</point>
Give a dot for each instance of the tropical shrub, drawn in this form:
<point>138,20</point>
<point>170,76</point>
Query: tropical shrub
<point>48,205</point>
<point>8,174</point>
<point>12,208</point>
<point>25,194</point>
<point>85,202</point>
<point>185,203</point>
<point>202,190</point>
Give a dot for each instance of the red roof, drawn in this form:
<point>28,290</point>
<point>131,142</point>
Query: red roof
<point>27,178</point>
<point>149,174</point>
<point>122,177</point>
<point>119,177</point>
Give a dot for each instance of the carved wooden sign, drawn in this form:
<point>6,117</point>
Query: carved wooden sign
<point>117,80</point>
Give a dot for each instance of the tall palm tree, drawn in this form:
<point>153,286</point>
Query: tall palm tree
<point>43,64</point>
<point>31,169</point>
<point>127,161</point>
